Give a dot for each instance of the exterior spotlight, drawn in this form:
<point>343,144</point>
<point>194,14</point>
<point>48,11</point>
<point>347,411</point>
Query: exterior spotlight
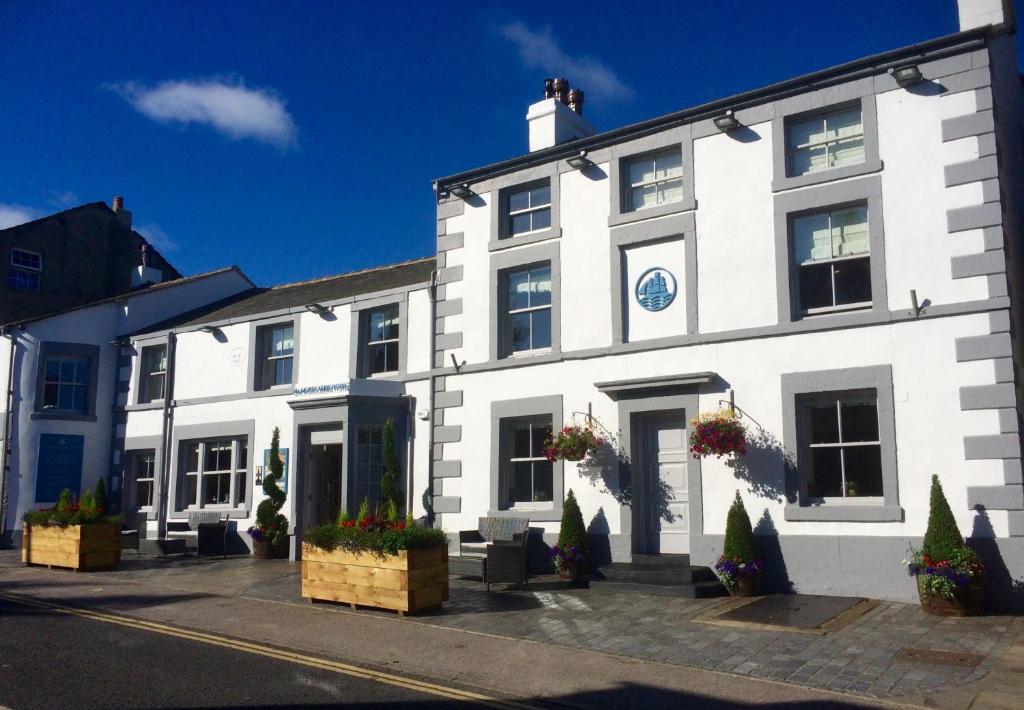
<point>906,75</point>
<point>726,121</point>
<point>317,308</point>
<point>581,161</point>
<point>209,329</point>
<point>463,191</point>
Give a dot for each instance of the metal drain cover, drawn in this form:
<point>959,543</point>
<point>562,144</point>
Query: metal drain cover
<point>939,658</point>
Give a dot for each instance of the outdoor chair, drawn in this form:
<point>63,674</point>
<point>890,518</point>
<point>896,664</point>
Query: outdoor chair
<point>498,549</point>
<point>133,531</point>
<point>209,529</point>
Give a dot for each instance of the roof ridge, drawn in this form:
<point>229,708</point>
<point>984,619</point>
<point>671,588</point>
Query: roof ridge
<point>368,270</point>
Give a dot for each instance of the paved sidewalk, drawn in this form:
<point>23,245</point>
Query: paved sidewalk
<point>860,659</point>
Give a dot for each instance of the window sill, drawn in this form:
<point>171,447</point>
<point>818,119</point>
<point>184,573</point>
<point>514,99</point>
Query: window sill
<point>651,212</point>
<point>532,238</point>
<point>540,515</point>
<point>144,406</point>
<point>232,513</point>
<point>816,178</point>
<point>844,513</point>
<point>64,416</point>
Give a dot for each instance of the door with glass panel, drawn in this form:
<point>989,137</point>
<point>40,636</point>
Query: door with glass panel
<point>326,475</point>
<point>663,460</point>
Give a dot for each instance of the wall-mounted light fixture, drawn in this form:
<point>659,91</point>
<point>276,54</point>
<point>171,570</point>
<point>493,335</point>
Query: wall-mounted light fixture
<point>463,191</point>
<point>906,75</point>
<point>317,308</point>
<point>581,161</point>
<point>727,121</point>
<point>209,329</point>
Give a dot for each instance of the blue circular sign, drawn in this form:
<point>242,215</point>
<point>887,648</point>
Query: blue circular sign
<point>655,289</point>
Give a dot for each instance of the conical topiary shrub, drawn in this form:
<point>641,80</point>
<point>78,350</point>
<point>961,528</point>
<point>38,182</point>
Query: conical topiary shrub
<point>942,539</point>
<point>99,495</point>
<point>390,492</point>
<point>573,532</point>
<point>740,566</point>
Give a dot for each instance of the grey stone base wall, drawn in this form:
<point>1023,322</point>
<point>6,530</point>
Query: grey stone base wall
<point>862,566</point>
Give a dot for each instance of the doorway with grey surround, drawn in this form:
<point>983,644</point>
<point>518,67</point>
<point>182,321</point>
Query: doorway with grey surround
<point>660,467</point>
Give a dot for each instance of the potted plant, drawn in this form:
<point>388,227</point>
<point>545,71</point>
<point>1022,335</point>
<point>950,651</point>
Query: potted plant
<point>390,492</point>
<point>570,554</point>
<point>571,443</point>
<point>717,434</point>
<point>376,560</point>
<point>270,533</point>
<point>950,575</point>
<point>740,567</point>
<point>75,534</point>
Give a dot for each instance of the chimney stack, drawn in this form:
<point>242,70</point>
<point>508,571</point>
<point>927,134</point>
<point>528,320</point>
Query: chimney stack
<point>980,13</point>
<point>123,216</point>
<point>558,118</point>
<point>144,274</point>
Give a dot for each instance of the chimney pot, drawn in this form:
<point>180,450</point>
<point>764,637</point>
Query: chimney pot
<point>118,203</point>
<point>123,216</point>
<point>561,88</point>
<point>549,88</point>
<point>576,101</point>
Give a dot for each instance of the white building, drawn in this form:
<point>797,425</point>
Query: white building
<point>60,376</point>
<point>838,254</point>
<point>325,361</point>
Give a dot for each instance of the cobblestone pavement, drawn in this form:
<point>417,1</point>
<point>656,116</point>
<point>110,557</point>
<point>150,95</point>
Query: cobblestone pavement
<point>859,658</point>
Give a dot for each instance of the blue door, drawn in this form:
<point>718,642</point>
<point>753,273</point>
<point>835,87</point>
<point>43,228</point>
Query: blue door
<point>60,465</point>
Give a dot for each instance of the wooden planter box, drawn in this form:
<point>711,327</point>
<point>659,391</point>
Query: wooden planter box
<point>407,582</point>
<point>78,547</point>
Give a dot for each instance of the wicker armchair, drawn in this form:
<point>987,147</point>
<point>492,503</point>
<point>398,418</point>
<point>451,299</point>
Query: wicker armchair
<point>210,530</point>
<point>133,531</point>
<point>498,547</point>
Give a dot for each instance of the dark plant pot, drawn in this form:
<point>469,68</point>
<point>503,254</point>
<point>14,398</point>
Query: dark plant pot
<point>263,550</point>
<point>570,573</point>
<point>747,586</point>
<point>966,601</point>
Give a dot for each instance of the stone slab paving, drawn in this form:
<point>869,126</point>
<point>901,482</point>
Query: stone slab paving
<point>859,658</point>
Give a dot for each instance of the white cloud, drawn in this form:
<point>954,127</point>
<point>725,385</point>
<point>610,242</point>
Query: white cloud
<point>540,50</point>
<point>13,215</point>
<point>156,236</point>
<point>224,104</point>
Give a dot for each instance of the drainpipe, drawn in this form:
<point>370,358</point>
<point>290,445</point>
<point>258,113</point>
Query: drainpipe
<point>7,429</point>
<point>118,342</point>
<point>165,460</point>
<point>433,378</point>
<point>410,428</point>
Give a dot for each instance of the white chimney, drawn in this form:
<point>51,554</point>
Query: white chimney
<point>979,13</point>
<point>123,216</point>
<point>559,117</point>
<point>144,274</point>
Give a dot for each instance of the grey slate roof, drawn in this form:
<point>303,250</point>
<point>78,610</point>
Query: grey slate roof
<point>257,301</point>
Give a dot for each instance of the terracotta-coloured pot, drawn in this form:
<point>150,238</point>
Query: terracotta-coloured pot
<point>263,550</point>
<point>747,587</point>
<point>966,601</point>
<point>570,573</point>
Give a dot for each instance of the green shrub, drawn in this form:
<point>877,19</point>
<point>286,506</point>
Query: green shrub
<point>375,536</point>
<point>269,519</point>
<point>390,511</point>
<point>573,532</point>
<point>68,511</point>
<point>739,535</point>
<point>364,509</point>
<point>64,500</point>
<point>942,540</point>
<point>87,502</point>
<point>99,494</point>
<point>390,492</point>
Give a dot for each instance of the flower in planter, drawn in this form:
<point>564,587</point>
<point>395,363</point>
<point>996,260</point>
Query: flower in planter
<point>740,559</point>
<point>571,443</point>
<point>567,559</point>
<point>374,535</point>
<point>717,434</point>
<point>69,511</point>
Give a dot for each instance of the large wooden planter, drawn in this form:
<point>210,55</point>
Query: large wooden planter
<point>967,601</point>
<point>410,581</point>
<point>78,547</point>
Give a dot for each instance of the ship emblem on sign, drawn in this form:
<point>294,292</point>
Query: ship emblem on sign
<point>655,289</point>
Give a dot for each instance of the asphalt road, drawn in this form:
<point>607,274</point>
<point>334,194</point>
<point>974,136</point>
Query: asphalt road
<point>53,660</point>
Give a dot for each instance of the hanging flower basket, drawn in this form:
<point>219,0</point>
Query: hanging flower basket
<point>717,434</point>
<point>571,444</point>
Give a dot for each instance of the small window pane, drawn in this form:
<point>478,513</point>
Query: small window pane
<point>844,124</point>
<point>521,441</point>
<point>190,489</point>
<point>847,152</point>
<point>144,493</point>
<point>540,287</point>
<point>215,489</point>
<point>52,370</point>
<point>641,171</point>
<point>519,201</point>
<point>521,223</point>
<point>50,395</point>
<point>540,434</point>
<point>810,131</point>
<point>668,165</point>
<point>522,482</point>
<point>192,457</point>
<point>391,359</point>
<point>863,471</point>
<point>811,238</point>
<point>543,477</point>
<point>520,331</point>
<point>816,286</point>
<point>541,219</point>
<point>540,196</point>
<point>241,486</point>
<point>283,371</point>
<point>643,197</point>
<point>518,290</point>
<point>860,421</point>
<point>670,191</point>
<point>540,326</point>
<point>825,479</point>
<point>824,421</point>
<point>849,232</point>
<point>853,281</point>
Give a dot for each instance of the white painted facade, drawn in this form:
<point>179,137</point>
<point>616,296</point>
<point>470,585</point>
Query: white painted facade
<point>941,221</point>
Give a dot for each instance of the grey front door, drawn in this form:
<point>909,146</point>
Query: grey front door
<point>664,454</point>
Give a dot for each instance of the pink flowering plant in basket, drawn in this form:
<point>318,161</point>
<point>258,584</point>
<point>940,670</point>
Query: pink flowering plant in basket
<point>717,434</point>
<point>571,443</point>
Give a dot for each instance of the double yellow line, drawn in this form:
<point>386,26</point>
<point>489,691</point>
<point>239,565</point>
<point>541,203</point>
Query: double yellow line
<point>281,655</point>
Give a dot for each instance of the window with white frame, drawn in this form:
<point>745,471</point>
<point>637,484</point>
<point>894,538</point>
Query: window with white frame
<point>25,269</point>
<point>369,465</point>
<point>528,309</point>
<point>831,252</point>
<point>841,451</point>
<point>141,471</point>
<point>66,383</point>
<point>529,475</point>
<point>276,352</point>
<point>215,472</point>
<point>825,141</point>
<point>382,340</point>
<point>654,180</point>
<point>528,210</point>
<point>153,377</point>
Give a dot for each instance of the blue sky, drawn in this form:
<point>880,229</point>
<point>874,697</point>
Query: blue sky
<point>300,139</point>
